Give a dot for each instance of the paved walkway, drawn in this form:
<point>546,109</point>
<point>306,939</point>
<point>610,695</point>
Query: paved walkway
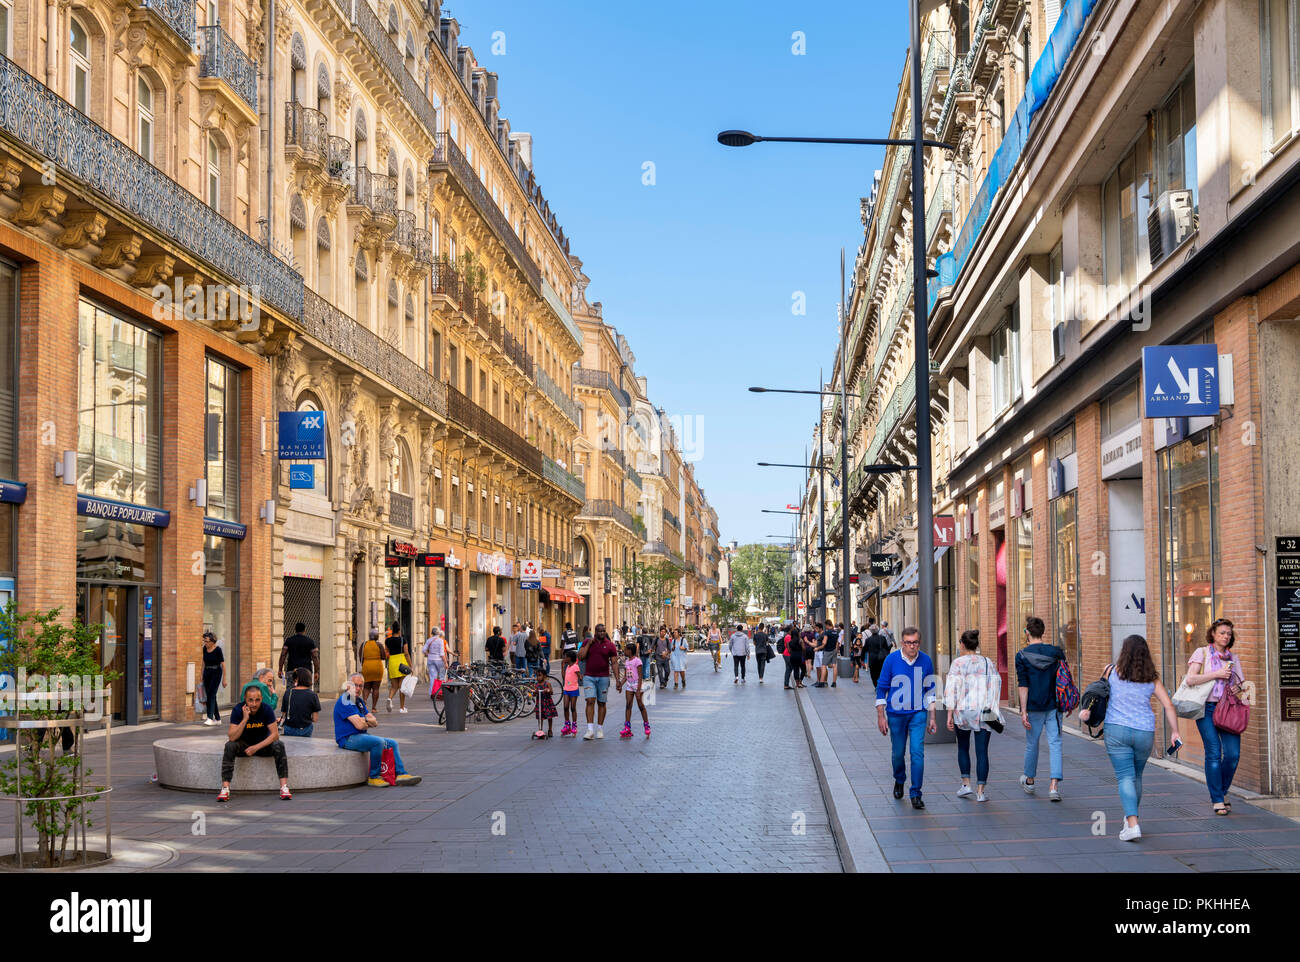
<point>1013,832</point>
<point>716,788</point>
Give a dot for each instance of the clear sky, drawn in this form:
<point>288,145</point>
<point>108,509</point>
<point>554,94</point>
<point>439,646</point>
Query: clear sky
<point>700,269</point>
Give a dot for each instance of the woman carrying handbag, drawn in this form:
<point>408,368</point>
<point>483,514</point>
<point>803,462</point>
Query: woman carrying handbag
<point>1226,716</point>
<point>971,695</point>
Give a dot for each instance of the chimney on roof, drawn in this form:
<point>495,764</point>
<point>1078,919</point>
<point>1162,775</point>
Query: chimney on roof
<point>524,146</point>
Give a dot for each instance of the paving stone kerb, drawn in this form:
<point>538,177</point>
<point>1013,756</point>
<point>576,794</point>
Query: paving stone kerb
<point>193,763</point>
<point>1014,832</point>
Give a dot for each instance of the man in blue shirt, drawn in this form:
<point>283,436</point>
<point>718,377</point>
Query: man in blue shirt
<point>352,721</point>
<point>905,695</point>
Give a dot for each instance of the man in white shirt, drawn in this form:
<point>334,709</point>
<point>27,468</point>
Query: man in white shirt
<point>738,645</point>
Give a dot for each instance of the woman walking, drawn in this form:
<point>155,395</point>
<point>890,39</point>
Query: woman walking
<point>371,657</point>
<point>1130,725</point>
<point>677,660</point>
<point>214,677</point>
<point>435,655</point>
<point>1216,662</point>
<point>973,686</point>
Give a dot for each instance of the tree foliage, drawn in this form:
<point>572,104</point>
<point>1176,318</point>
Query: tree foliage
<point>758,571</point>
<point>651,582</point>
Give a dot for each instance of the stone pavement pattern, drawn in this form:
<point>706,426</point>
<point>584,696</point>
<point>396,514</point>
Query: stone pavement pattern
<point>713,789</point>
<point>1014,832</point>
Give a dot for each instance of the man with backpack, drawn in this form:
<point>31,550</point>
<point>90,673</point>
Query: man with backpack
<point>1037,668</point>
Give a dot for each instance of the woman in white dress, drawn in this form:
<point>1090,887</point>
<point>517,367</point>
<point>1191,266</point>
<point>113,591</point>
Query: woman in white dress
<point>973,686</point>
<point>677,659</point>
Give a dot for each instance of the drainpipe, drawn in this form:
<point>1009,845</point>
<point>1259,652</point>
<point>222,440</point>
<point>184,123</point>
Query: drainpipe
<point>270,117</point>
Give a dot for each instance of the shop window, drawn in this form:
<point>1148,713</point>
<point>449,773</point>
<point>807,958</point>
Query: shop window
<point>222,440</point>
<point>1022,547</point>
<point>8,371</point>
<point>120,411</point>
<point>1065,575</point>
<point>1279,45</point>
<point>221,603</point>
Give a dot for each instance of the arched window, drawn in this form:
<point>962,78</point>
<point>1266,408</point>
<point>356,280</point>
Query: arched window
<point>297,69</point>
<point>401,475</point>
<point>323,90</point>
<point>298,232</point>
<point>213,173</point>
<point>361,290</point>
<point>79,58</point>
<point>408,342</point>
<point>324,266</point>
<point>394,332</point>
<point>360,137</point>
<point>309,402</point>
<point>144,118</point>
<point>394,25</point>
<point>408,191</point>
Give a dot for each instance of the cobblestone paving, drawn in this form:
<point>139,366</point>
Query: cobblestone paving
<point>1013,832</point>
<point>715,788</point>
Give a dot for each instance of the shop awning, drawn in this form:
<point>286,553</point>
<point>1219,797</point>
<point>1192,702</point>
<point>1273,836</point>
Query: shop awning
<point>562,595</point>
<point>906,582</point>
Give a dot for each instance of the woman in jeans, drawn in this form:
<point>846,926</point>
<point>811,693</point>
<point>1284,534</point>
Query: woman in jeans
<point>1216,662</point>
<point>214,677</point>
<point>973,685</point>
<point>1130,725</point>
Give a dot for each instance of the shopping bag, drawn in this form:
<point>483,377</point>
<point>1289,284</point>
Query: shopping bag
<point>388,766</point>
<point>648,694</point>
<point>435,687</point>
<point>408,685</point>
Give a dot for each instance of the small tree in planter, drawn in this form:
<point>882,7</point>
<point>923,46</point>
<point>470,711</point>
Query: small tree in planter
<point>38,643</point>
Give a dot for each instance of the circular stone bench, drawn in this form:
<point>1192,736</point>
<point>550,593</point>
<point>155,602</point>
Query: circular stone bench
<point>193,763</point>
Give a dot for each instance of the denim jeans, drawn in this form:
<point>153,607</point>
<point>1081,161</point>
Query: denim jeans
<point>375,746</point>
<point>1038,720</point>
<point>304,732</point>
<point>981,754</point>
<point>1129,749</point>
<point>1222,753</point>
<point>908,731</point>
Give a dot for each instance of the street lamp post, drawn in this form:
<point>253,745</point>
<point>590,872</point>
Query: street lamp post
<point>920,297</point>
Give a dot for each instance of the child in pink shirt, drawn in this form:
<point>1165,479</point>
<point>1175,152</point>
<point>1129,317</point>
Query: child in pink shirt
<point>572,688</point>
<point>630,679</point>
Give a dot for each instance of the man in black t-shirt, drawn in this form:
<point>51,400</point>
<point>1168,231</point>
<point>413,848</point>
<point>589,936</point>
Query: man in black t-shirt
<point>496,647</point>
<point>300,651</point>
<point>301,706</point>
<point>253,732</point>
<point>824,662</point>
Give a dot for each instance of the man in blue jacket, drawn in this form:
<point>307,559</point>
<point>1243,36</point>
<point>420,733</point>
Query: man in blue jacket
<point>905,695</point>
<point>1036,665</point>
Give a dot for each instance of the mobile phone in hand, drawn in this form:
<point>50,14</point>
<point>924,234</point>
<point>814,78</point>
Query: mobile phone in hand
<point>1173,750</point>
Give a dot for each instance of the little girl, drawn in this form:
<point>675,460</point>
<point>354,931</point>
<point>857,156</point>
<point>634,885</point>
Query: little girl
<point>545,706</point>
<point>630,678</point>
<point>572,686</point>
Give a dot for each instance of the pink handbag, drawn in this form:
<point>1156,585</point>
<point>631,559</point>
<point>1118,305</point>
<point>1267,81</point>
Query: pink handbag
<point>1231,714</point>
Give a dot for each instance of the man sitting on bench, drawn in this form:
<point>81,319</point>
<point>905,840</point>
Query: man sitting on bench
<point>253,733</point>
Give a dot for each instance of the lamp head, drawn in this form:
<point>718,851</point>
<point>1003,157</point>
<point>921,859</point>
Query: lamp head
<point>737,138</point>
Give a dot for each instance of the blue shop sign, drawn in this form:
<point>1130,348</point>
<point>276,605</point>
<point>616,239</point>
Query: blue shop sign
<point>224,529</point>
<point>302,476</point>
<point>121,511</point>
<point>302,435</point>
<point>1180,380</point>
<point>13,492</point>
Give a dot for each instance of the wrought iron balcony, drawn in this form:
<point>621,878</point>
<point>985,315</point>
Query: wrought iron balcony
<point>566,404</point>
<point>562,312</point>
<point>939,207</point>
<point>220,57</point>
<point>446,279</point>
<point>633,476</point>
<point>516,351</point>
<point>561,478</point>
<point>670,519</point>
<point>422,240</point>
<point>470,417</point>
<point>601,379</point>
<point>336,330</point>
<point>394,61</point>
<point>601,508</point>
<point>307,130</point>
<point>87,154</point>
<point>404,233</point>
<point>340,158</point>
<point>376,193</point>
<point>401,510</point>
<point>177,14</point>
<point>448,159</point>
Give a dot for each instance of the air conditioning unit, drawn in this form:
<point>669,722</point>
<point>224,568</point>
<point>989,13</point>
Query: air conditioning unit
<point>1171,220</point>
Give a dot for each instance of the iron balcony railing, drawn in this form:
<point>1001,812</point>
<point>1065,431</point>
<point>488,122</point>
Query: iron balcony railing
<point>220,57</point>
<point>177,14</point>
<point>657,548</point>
<point>86,153</point>
<point>602,508</point>
<point>601,379</point>
<point>469,416</point>
<point>307,129</point>
<point>561,478</point>
<point>552,390</point>
<point>633,476</point>
<point>401,510</point>
<point>448,158</point>
<point>516,351</point>
<point>940,203</point>
<point>339,159</point>
<point>615,455</point>
<point>404,233</point>
<point>423,243</point>
<point>562,312</point>
<point>446,279</point>
<point>325,322</point>
<point>394,61</point>
<point>375,191</point>
<point>671,520</point>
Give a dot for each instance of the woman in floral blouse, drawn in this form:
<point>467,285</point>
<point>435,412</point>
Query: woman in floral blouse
<point>973,685</point>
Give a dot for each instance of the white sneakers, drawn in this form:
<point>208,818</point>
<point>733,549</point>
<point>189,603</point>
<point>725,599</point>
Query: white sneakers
<point>1027,785</point>
<point>589,736</point>
<point>965,791</point>
<point>208,721</point>
<point>401,711</point>
<point>389,706</point>
<point>981,797</point>
<point>1130,833</point>
<point>600,733</point>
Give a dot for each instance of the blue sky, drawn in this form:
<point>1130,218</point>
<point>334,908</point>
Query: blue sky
<point>699,271</point>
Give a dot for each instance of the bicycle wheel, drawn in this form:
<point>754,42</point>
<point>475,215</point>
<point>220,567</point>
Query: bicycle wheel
<point>557,689</point>
<point>501,704</point>
<point>527,699</point>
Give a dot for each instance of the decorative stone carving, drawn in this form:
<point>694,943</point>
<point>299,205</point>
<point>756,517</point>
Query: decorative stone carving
<point>286,377</point>
<point>38,204</point>
<point>11,172</point>
<point>117,249</point>
<point>153,269</point>
<point>343,91</point>
<point>82,227</point>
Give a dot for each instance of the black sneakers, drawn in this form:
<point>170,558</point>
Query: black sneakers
<point>917,803</point>
<point>898,789</point>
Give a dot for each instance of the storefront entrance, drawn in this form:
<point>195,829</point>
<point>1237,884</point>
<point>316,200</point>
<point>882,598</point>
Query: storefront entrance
<point>127,644</point>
